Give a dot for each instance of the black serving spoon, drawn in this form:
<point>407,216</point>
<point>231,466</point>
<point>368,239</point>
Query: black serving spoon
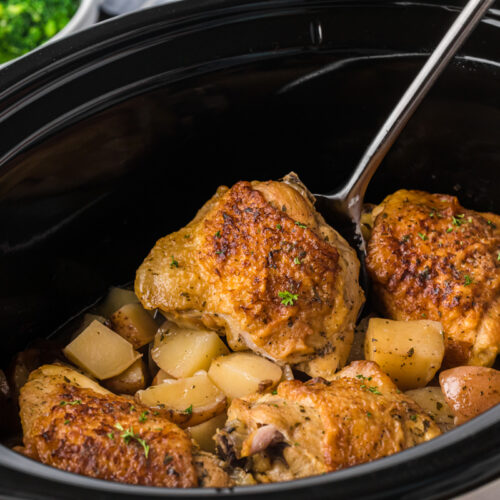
<point>342,209</point>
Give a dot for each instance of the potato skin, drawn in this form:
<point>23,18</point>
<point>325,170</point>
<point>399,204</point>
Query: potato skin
<point>470,390</point>
<point>133,379</point>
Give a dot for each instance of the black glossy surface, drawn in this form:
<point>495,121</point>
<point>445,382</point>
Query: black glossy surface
<point>116,137</point>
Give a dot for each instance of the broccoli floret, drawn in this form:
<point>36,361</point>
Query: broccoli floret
<point>25,24</point>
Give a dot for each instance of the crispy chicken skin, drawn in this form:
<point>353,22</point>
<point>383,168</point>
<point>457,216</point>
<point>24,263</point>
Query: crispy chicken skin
<point>319,426</point>
<point>238,265</point>
<point>72,423</point>
<point>431,258</point>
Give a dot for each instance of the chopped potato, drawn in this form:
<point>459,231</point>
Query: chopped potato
<point>134,324</point>
<point>181,352</point>
<point>187,401</point>
<point>160,377</point>
<point>243,373</point>
<point>470,390</point>
<point>133,379</point>
<point>203,433</point>
<point>431,399</point>
<point>116,298</point>
<point>101,352</point>
<point>87,319</point>
<point>410,352</point>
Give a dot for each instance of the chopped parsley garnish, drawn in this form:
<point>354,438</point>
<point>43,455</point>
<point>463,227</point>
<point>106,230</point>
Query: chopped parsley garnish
<point>278,227</point>
<point>368,414</point>
<point>457,221</point>
<point>217,234</point>
<point>173,262</point>
<point>111,435</point>
<point>373,389</point>
<point>296,261</point>
<point>144,416</point>
<point>413,417</point>
<point>468,280</point>
<point>287,298</point>
<point>189,410</point>
<point>422,236</point>
<point>129,434</point>
<point>303,226</point>
<point>498,256</point>
<point>72,403</point>
<point>66,422</point>
<point>449,230</point>
<point>274,392</point>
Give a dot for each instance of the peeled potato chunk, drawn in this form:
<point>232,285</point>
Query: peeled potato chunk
<point>410,352</point>
<point>203,433</point>
<point>181,352</point>
<point>432,400</point>
<point>188,401</point>
<point>133,379</point>
<point>134,324</point>
<point>243,373</point>
<point>470,390</point>
<point>160,377</point>
<point>101,352</point>
<point>116,298</point>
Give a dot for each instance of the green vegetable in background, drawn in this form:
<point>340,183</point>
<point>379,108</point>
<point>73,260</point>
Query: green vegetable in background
<point>26,24</point>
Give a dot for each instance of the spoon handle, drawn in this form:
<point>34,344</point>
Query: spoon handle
<point>354,190</point>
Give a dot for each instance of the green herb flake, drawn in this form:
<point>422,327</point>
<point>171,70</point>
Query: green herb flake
<point>274,392</point>
<point>66,422</point>
<point>423,236</point>
<point>217,234</point>
<point>278,227</point>
<point>368,414</point>
<point>144,416</point>
<point>173,262</point>
<point>374,390</point>
<point>189,410</point>
<point>413,417</point>
<point>468,280</point>
<point>296,261</point>
<point>449,230</point>
<point>287,298</point>
<point>129,434</point>
<point>111,435</point>
<point>303,226</point>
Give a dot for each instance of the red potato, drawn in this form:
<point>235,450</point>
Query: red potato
<point>470,390</point>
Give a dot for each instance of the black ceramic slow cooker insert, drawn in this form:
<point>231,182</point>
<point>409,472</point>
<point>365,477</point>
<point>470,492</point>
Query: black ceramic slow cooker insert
<point>115,136</point>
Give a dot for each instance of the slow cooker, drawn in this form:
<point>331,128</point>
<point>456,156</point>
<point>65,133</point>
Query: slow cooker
<point>115,136</point>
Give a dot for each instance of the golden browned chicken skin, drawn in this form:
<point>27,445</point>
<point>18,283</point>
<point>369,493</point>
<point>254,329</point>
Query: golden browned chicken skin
<point>260,265</point>
<point>431,258</point>
<point>320,426</point>
<point>72,423</point>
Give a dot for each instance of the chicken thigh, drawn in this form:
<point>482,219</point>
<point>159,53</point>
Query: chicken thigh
<point>259,265</point>
<point>431,258</point>
<point>321,426</point>
<point>72,423</point>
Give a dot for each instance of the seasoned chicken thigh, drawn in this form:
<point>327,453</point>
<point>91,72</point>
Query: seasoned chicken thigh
<point>260,265</point>
<point>72,423</point>
<point>431,258</point>
<point>319,426</point>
